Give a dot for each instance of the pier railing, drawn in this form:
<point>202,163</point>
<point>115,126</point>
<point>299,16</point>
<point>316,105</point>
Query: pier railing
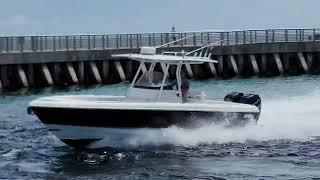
<point>129,41</point>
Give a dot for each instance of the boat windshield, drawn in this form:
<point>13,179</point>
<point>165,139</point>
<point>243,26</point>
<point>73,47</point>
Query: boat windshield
<point>151,79</point>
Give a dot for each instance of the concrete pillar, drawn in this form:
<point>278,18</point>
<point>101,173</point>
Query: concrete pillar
<point>128,68</point>
<point>212,69</point>
<point>303,62</point>
<point>286,63</point>
<point>30,74</point>
<point>220,65</point>
<point>197,71</point>
<point>4,76</point>
<point>95,71</point>
<point>120,70</point>
<point>240,63</point>
<point>81,72</point>
<point>22,76</point>
<point>189,70</point>
<point>264,64</point>
<point>309,60</point>
<point>254,64</point>
<point>72,73</point>
<point>278,63</point>
<point>46,73</point>
<point>105,70</point>
<point>234,64</point>
<point>57,73</point>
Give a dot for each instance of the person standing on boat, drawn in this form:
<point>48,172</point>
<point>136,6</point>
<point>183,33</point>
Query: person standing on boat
<point>184,87</point>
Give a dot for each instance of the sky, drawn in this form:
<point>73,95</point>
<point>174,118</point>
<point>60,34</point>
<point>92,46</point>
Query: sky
<point>55,17</point>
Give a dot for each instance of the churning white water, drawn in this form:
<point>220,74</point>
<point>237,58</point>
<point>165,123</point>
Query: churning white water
<point>296,118</point>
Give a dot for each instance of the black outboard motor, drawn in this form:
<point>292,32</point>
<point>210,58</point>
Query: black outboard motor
<point>236,97</point>
<point>233,97</point>
<point>245,99</point>
<point>252,99</point>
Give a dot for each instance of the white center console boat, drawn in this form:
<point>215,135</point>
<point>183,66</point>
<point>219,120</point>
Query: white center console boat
<point>152,102</point>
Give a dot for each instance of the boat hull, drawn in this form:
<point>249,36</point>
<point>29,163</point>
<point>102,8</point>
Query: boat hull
<point>83,128</point>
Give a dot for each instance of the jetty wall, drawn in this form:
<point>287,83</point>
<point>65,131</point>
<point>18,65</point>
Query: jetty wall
<point>40,61</point>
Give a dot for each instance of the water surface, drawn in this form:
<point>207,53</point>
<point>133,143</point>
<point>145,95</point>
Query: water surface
<point>285,143</point>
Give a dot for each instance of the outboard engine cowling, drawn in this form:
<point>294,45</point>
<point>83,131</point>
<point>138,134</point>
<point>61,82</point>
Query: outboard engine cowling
<point>237,97</point>
<point>252,99</point>
<point>233,97</point>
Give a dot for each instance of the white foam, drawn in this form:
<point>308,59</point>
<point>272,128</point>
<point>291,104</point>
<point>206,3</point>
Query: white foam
<point>294,118</point>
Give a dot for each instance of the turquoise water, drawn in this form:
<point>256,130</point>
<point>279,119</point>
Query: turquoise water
<point>285,143</point>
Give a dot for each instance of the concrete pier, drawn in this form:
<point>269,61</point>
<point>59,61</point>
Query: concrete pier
<point>47,74</point>
<point>38,61</point>
<point>234,64</point>
<point>95,72</point>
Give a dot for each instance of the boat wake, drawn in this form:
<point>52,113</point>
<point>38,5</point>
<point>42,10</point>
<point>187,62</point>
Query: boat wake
<point>291,118</point>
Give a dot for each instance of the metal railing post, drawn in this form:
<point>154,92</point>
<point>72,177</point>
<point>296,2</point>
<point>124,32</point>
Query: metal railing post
<point>67,43</point>
<point>244,34</point>
<point>7,44</point>
<point>236,37</point>
<point>300,33</point>
<point>130,37</point>
<point>54,43</point>
<point>60,42</point>
<point>255,36</point>
<point>80,43</point>
<point>74,43</point>
<point>286,35</point>
<point>89,42</point>
<point>267,36</point>
<point>138,44</point>
<point>314,35</point>
<point>228,39</point>
<point>117,41</point>
<point>107,36</point>
<point>21,43</point>
<point>250,34</point>
<point>32,43</point>
<point>273,40</point>
<point>195,40</point>
<point>94,41</point>
<point>221,38</point>
<point>103,42</point>
<point>46,42</point>
<point>41,43</point>
<point>185,40</point>
<point>127,40</point>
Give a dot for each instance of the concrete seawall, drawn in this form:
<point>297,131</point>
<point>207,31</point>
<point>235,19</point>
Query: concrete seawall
<point>84,66</point>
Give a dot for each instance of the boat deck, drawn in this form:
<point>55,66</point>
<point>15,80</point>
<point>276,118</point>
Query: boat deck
<point>124,103</point>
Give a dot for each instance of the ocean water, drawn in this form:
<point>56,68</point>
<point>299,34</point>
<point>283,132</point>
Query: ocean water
<point>285,144</point>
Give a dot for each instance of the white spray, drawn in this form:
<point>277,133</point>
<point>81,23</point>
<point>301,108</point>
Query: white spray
<point>296,118</point>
